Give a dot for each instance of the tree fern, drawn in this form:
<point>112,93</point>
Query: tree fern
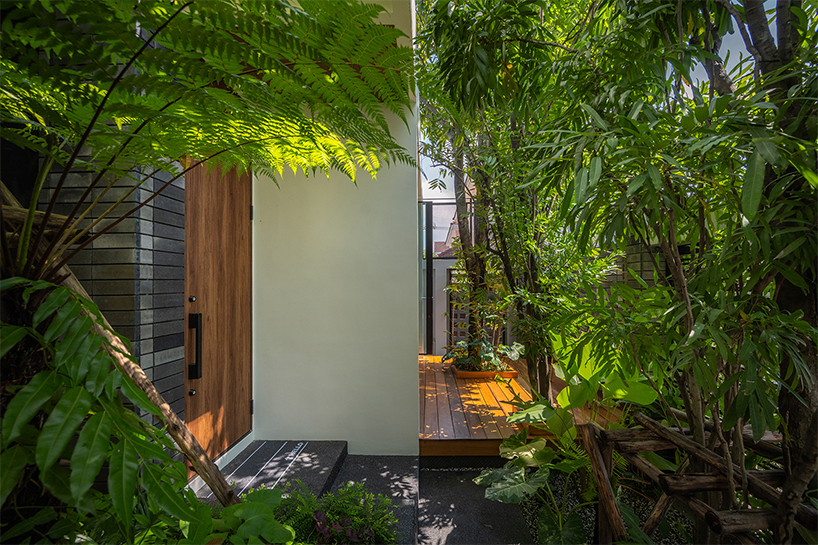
<point>236,83</point>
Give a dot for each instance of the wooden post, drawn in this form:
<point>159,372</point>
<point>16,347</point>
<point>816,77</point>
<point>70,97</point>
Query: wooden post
<point>604,533</point>
<point>691,483</point>
<point>648,469</point>
<point>658,513</point>
<point>745,520</point>
<point>607,503</point>
<point>644,446</point>
<point>806,515</point>
<point>762,447</point>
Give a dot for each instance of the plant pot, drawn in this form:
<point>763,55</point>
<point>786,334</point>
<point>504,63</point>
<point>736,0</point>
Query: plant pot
<point>482,374</point>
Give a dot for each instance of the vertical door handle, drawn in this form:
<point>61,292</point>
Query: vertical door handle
<point>194,370</point>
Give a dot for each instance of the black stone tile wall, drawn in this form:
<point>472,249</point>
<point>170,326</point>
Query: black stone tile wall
<point>160,288</point>
<point>135,273</point>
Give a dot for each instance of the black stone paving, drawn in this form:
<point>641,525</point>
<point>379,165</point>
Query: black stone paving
<point>435,500</point>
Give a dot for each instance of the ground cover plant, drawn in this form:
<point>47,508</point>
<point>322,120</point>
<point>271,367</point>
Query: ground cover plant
<point>714,176</point>
<point>352,514</point>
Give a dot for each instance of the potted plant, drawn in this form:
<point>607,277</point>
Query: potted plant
<point>493,360</point>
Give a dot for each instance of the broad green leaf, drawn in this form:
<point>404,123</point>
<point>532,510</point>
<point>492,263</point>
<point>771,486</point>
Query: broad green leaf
<point>13,461</point>
<point>580,185</point>
<point>655,176</point>
<point>635,183</point>
<point>737,409</point>
<point>514,450</point>
<point>90,453</point>
<point>490,476</point>
<point>259,520</point>
<point>63,320</point>
<point>199,532</point>
<point>267,496</point>
<point>632,522</point>
<point>633,392</point>
<point>139,398</point>
<point>598,121</point>
<point>569,466</point>
<point>164,495</point>
<point>753,187</point>
<point>561,422</point>
<point>763,144</point>
<point>694,334</point>
<point>515,488</point>
<point>808,173</point>
<point>25,404</point>
<point>538,412</point>
<point>58,481</point>
<point>575,395</point>
<point>8,283</point>
<point>791,247</point>
<point>64,420</point>
<point>595,172</point>
<point>791,275</point>
<point>26,525</point>
<point>54,301</point>
<point>10,335</point>
<point>34,287</point>
<point>78,338</point>
<point>550,533</point>
<point>122,480</point>
<point>98,369</point>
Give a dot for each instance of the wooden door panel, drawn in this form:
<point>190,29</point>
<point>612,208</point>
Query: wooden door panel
<point>218,273</point>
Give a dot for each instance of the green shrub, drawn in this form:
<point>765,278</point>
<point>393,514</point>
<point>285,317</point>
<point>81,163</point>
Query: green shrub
<point>491,356</point>
<point>350,515</point>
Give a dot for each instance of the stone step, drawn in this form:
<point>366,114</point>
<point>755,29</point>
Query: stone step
<point>276,463</point>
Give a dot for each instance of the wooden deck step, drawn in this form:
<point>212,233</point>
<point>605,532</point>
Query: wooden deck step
<point>463,417</point>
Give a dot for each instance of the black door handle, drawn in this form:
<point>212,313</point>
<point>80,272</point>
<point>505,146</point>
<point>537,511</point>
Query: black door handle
<point>194,370</point>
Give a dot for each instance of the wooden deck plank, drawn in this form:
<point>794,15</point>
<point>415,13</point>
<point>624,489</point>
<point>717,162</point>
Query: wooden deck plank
<point>459,418</point>
<point>520,389</point>
<point>471,406</point>
<point>502,409</point>
<point>491,414</point>
<point>430,426</point>
<point>444,412</point>
<point>501,394</point>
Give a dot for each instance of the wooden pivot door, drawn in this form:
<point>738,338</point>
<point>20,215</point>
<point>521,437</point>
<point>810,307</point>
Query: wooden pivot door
<point>218,303</point>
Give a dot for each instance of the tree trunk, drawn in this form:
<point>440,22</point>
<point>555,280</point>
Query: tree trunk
<point>185,440</point>
<point>475,264</point>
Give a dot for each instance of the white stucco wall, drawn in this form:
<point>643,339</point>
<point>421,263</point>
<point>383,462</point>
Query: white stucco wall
<point>335,304</point>
<point>335,309</point>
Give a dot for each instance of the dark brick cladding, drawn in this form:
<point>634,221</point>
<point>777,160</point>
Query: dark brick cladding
<point>135,273</point>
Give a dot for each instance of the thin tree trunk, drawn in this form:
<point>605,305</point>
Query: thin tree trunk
<point>475,266</point>
<point>177,430</point>
<point>180,434</point>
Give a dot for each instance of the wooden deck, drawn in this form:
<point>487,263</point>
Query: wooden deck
<point>463,417</point>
